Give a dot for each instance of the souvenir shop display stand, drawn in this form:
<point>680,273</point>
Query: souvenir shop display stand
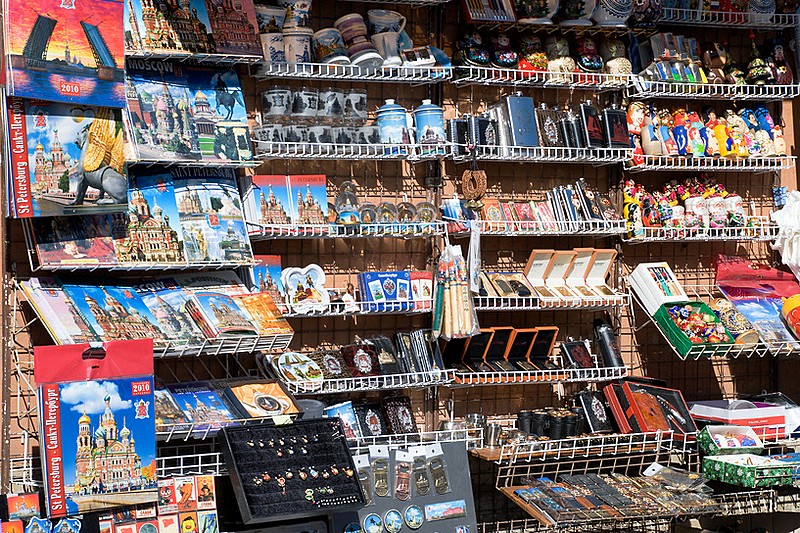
<point>445,400</point>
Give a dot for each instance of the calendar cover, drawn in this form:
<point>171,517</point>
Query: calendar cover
<point>66,159</point>
<point>206,27</point>
<point>210,213</point>
<point>66,51</point>
<point>60,316</point>
<point>186,113</point>
<point>168,304</point>
<point>308,198</point>
<point>114,313</point>
<point>268,200</point>
<point>202,405</point>
<point>97,426</point>
<point>152,232</point>
<point>62,241</point>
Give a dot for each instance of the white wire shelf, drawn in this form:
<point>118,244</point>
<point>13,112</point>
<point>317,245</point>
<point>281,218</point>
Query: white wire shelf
<point>404,230</point>
<point>748,502</point>
<point>205,59</point>
<point>468,75</point>
<point>266,150</point>
<point>388,307</point>
<point>568,375</point>
<point>472,436</point>
<point>186,460</point>
<point>724,350</point>
<point>412,380</point>
<point>201,430</point>
<point>534,303</point>
<point>576,448</point>
<point>759,228</point>
<point>714,164</point>
<point>203,163</point>
<point>143,267</point>
<point>619,525</point>
<point>518,228</point>
<point>324,71</point>
<point>725,19</point>
<point>225,346</point>
<point>641,88</point>
<point>544,154</point>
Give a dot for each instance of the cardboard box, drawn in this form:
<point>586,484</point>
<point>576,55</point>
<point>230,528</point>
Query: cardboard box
<point>729,440</point>
<point>767,421</point>
<point>747,470</point>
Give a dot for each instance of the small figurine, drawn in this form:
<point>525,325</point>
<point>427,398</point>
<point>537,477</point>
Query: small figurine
<point>715,60</point>
<point>533,56</point>
<point>502,55</point>
<point>471,50</point>
<point>727,148</point>
<point>665,131</point>
<point>739,132</point>
<point>694,131</point>
<point>559,64</point>
<point>757,71</point>
<point>613,53</point>
<point>782,71</point>
<point>588,58</point>
<point>652,144</point>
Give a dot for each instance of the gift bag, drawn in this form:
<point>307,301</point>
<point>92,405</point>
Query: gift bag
<point>98,434</point>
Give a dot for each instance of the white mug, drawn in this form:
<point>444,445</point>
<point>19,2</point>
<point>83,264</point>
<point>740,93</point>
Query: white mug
<point>297,44</point>
<point>387,45</point>
<point>383,20</point>
<point>273,47</point>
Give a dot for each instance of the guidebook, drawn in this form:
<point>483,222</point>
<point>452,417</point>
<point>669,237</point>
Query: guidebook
<point>186,113</point>
<point>196,26</point>
<point>210,212</point>
<point>201,405</point>
<point>66,159</point>
<point>59,315</point>
<point>153,230</point>
<point>66,51</point>
<point>168,304</point>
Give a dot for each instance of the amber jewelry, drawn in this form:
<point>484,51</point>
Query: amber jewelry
<point>304,451</point>
<point>293,440</point>
<point>257,481</point>
<point>282,484</point>
<point>334,470</point>
<point>279,453</point>
<point>266,477</point>
<point>260,443</point>
<point>302,474</point>
<point>313,472</point>
<point>251,443</point>
<point>290,451</point>
<point>289,474</point>
<point>281,442</point>
<point>271,443</point>
<point>325,474</point>
<point>304,440</point>
<point>349,472</point>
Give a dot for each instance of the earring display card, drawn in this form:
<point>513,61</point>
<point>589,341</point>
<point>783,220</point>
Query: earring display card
<point>294,471</point>
<point>435,492</point>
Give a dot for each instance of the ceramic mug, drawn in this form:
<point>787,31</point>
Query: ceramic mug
<point>295,134</point>
<point>383,20</point>
<point>354,32</point>
<point>331,105</point>
<point>298,13</point>
<point>387,46</point>
<point>305,103</point>
<point>297,45</point>
<point>270,18</point>
<point>273,48</point>
<point>271,133</point>
<point>276,102</point>
<point>342,135</point>
<point>367,135</point>
<point>320,134</point>
<point>328,47</point>
<point>355,107</point>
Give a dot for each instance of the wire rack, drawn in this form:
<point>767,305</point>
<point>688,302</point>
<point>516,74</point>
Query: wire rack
<point>569,375</point>
<point>748,502</point>
<point>641,88</point>
<point>539,78</point>
<point>188,458</point>
<point>535,303</point>
<point>585,447</point>
<point>535,228</point>
<point>759,228</point>
<point>203,163</point>
<point>543,154</point>
<point>205,59</point>
<point>530,525</point>
<point>405,230</point>
<point>388,307</point>
<point>714,164</point>
<point>763,348</point>
<point>472,437</point>
<point>411,380</point>
<point>725,19</point>
<point>324,71</point>
<point>225,346</point>
<point>413,3</point>
<point>267,150</point>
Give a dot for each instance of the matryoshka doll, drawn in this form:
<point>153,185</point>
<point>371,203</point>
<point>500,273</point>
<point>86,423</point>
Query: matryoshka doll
<point>760,138</point>
<point>739,132</point>
<point>589,60</point>
<point>778,141</point>
<point>665,130</point>
<point>636,111</point>
<point>652,144</point>
<point>694,127</point>
<point>764,119</point>
<point>717,129</point>
<point>679,132</point>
